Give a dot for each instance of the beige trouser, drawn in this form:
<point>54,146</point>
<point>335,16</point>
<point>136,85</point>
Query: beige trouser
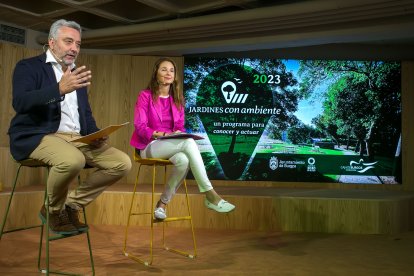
<point>67,159</point>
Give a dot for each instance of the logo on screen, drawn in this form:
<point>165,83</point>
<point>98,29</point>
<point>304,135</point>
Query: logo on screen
<point>228,88</point>
<point>359,167</point>
<point>234,124</point>
<point>311,164</point>
<point>273,163</point>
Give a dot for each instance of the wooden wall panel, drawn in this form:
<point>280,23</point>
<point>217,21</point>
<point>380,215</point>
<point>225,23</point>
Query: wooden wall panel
<point>9,55</point>
<point>24,209</point>
<point>27,177</point>
<point>396,216</point>
<point>108,93</point>
<point>408,125</point>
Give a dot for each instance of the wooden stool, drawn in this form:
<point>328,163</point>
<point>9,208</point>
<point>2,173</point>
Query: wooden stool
<point>153,162</point>
<point>49,237</point>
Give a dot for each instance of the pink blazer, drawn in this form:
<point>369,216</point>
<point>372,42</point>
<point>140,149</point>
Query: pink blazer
<point>148,118</point>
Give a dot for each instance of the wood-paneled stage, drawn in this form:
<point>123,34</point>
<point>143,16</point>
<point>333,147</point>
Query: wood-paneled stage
<point>277,231</point>
<point>352,211</point>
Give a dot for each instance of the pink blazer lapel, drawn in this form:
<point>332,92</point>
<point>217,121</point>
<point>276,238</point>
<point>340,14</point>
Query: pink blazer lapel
<point>158,110</point>
<point>175,111</point>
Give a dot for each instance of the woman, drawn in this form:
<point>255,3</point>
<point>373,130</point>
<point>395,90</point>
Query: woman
<point>159,111</point>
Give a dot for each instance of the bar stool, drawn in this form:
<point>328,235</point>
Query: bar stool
<point>49,237</point>
<point>154,163</point>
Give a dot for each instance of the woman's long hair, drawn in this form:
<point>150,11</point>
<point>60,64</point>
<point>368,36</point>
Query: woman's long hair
<point>175,88</point>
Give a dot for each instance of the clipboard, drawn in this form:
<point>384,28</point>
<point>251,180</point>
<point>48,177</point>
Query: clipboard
<point>87,139</point>
<point>180,135</point>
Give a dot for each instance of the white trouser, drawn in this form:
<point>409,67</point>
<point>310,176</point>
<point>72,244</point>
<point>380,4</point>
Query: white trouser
<point>184,154</point>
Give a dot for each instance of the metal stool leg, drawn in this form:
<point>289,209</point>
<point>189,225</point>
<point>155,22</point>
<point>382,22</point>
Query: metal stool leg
<point>189,218</point>
<point>49,238</point>
<point>8,209</point>
<point>130,214</point>
<point>34,163</point>
<point>89,244</point>
<point>154,220</point>
<point>87,234</point>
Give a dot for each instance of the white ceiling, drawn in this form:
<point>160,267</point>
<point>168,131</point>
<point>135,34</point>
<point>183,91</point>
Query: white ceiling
<point>179,27</point>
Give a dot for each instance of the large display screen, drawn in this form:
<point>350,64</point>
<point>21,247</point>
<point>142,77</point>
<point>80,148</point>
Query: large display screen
<point>296,120</point>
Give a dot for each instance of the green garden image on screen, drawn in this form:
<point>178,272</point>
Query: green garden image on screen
<point>296,120</point>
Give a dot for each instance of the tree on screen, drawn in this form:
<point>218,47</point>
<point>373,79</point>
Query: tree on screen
<point>362,100</point>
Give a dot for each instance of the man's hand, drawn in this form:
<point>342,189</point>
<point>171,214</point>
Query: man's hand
<point>71,81</point>
<point>97,143</point>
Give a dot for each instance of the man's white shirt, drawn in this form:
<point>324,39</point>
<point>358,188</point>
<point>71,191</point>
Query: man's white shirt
<point>69,121</point>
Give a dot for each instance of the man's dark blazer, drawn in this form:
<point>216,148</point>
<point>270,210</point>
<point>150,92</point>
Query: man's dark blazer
<point>36,100</point>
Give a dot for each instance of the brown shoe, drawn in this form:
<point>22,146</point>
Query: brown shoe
<point>59,223</point>
<point>74,219</point>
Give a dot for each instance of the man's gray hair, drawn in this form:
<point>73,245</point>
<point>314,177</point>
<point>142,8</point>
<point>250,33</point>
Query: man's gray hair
<point>53,33</point>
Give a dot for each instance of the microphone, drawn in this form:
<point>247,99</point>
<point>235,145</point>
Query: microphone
<point>55,56</point>
<point>161,82</point>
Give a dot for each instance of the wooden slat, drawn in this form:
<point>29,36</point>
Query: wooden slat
<point>370,213</point>
<point>8,169</point>
<point>407,125</point>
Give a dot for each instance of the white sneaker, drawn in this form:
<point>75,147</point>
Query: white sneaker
<point>222,207</point>
<point>159,213</point>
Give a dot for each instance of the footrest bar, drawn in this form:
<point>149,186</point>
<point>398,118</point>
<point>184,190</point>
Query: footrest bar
<point>172,219</point>
<point>55,237</point>
<point>23,228</point>
<point>44,271</point>
<point>184,253</point>
<point>135,258</point>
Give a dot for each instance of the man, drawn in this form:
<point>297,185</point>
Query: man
<point>51,103</point>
